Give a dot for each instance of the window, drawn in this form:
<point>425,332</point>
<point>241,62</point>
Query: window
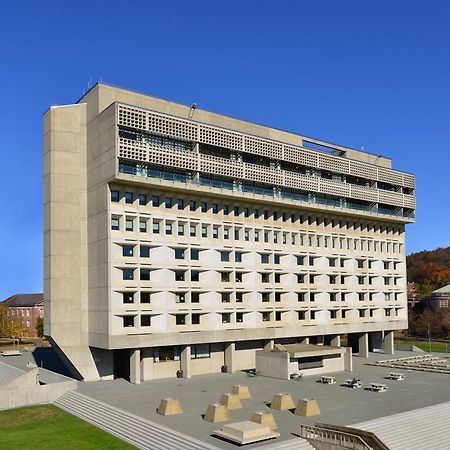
<point>277,278</point>
<point>246,235</point>
<point>333,279</point>
<point>386,265</point>
<point>387,296</point>
<point>115,224</point>
<point>300,260</point>
<point>225,210</point>
<point>129,197</point>
<point>342,262</point>
<point>225,297</point>
<point>301,315</point>
<point>144,274</point>
<point>361,312</point>
<point>226,233</point>
<point>360,263</point>
<point>344,313</point>
<point>239,317</point>
<point>387,281</point>
<point>215,208</point>
<point>311,260</point>
<point>179,253</point>
<point>361,280</point>
<point>238,257</point>
<point>361,296</point>
<point>236,211</point>
<point>127,274</point>
<point>180,297</point>
<point>155,227</point>
<point>127,250</point>
<point>333,314</point>
<point>266,214</point>
<point>192,230</point>
<point>224,256</point>
<point>313,315</point>
<point>115,196</point>
<point>264,258</point>
<point>195,297</point>
<point>195,320</point>
<point>192,205</point>
<point>204,231</point>
<point>155,200</point>
<point>332,262</point>
<point>142,199</point>
<point>276,259</point>
<point>203,207</point>
<point>179,275</point>
<point>236,234</point>
<point>146,320</point>
<point>168,202</point>
<point>128,321</point>
<point>129,225</point>
<point>215,232</point>
<point>256,236</point>
<point>144,251</point>
<point>194,254</point>
<point>278,316</point>
<point>195,275</point>
<point>168,228</point>
<point>143,226</point>
<point>387,312</point>
<point>224,277</point>
<point>128,297</point>
<point>145,297</point>
<point>333,296</point>
<point>265,296</point>
<point>255,213</point>
<point>264,278</point>
<point>301,296</point>
<point>312,296</point>
<point>180,229</point>
<point>239,297</point>
<point>311,278</point>
<point>238,277</point>
<point>266,316</point>
<point>300,278</point>
<point>180,319</point>
<point>277,296</point>
<point>180,203</point>
<point>226,317</point>
<point>246,212</point>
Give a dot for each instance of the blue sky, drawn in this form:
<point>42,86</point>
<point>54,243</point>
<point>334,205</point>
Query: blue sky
<point>372,74</point>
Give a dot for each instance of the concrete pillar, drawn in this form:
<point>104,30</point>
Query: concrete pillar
<point>135,366</point>
<point>335,341</point>
<point>320,340</point>
<point>146,364</point>
<point>388,343</point>
<point>185,358</point>
<point>363,344</point>
<point>229,356</point>
<point>303,340</point>
<point>348,360</point>
<point>268,345</point>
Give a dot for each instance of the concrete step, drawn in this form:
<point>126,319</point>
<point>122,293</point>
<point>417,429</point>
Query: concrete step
<point>8,373</point>
<point>291,444</point>
<point>139,432</point>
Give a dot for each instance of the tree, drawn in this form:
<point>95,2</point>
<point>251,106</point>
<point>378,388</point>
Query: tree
<point>40,327</point>
<point>11,327</point>
<point>428,324</point>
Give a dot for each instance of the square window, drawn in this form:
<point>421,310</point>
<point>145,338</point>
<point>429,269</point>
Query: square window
<point>129,225</point>
<point>301,315</point>
<point>195,275</point>
<point>115,224</point>
<point>265,297</point>
<point>143,226</point>
<point>225,256</point>
<point>300,260</point>
<point>179,253</point>
<point>128,297</point>
<point>142,199</point>
<point>128,274</point>
<point>266,316</point>
<point>115,196</point>
<point>195,319</point>
<point>155,200</point>
<point>226,317</point>
<point>129,197</point>
<point>195,254</point>
<point>144,251</point>
<point>128,321</point>
<point>145,297</point>
<point>179,275</point>
<point>180,297</point>
<point>225,297</point>
<point>127,250</point>
<point>264,278</point>
<point>224,277</point>
<point>145,320</point>
<point>180,319</point>
<point>300,278</point>
<point>144,274</point>
<point>195,297</point>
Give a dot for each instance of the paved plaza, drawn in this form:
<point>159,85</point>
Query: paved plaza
<point>339,405</point>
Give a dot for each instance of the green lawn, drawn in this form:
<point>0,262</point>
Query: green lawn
<point>47,427</point>
<point>424,345</point>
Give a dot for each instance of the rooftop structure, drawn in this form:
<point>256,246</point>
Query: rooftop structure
<point>177,239</point>
<point>27,309</point>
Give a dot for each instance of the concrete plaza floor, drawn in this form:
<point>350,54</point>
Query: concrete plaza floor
<point>339,405</point>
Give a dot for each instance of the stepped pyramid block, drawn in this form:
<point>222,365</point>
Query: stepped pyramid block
<point>307,407</point>
<point>264,418</point>
<point>217,412</point>
<point>169,407</point>
<point>231,401</point>
<point>241,391</point>
<point>246,432</point>
<point>282,402</point>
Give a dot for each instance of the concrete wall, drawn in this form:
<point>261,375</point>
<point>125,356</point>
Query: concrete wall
<point>273,364</point>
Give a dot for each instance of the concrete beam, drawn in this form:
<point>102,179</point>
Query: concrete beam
<point>363,344</point>
<point>186,361</point>
<point>388,343</point>
<point>135,366</point>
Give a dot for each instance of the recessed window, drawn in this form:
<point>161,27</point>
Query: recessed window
<point>264,278</point>
<point>180,319</point>
<point>300,278</point>
<point>195,320</point>
<point>332,262</point>
<point>180,229</point>
<point>225,277</point>
<point>128,321</point>
<point>115,196</point>
<point>145,297</point>
<point>277,278</point>
<point>301,315</point>
<point>361,296</point>
<point>264,258</point>
<point>226,233</point>
<point>180,203</point>
<point>203,207</point>
<point>238,256</point>
<point>179,275</point>
<point>180,297</point>
<point>215,232</point>
<point>333,296</point>
<point>129,225</point>
<point>192,205</point>
<point>204,231</point>
<point>239,297</point>
<point>129,198</point>
<point>195,275</point>
<point>143,226</point>
<point>155,200</point>
<point>276,259</point>
<point>225,210</point>
<point>236,211</point>
<point>195,297</point>
<point>195,254</point>
<point>225,297</point>
<point>238,277</point>
<point>239,317</point>
<point>313,315</point>
<point>226,317</point>
<point>144,274</point>
<point>215,208</point>
<point>225,256</point>
<point>179,253</point>
<point>142,199</point>
<point>127,250</point>
<point>246,235</point>
<point>277,296</point>
<point>246,212</point>
<point>169,228</point>
<point>300,260</point>
<point>155,227</point>
<point>256,234</point>
<point>192,230</point>
<point>278,316</point>
<point>333,314</point>
<point>168,202</point>
<point>385,265</point>
<point>333,279</point>
<point>265,297</point>
<point>128,274</point>
<point>266,316</point>
<point>360,263</point>
<point>115,224</point>
<point>128,297</point>
<point>146,320</point>
<point>255,213</point>
<point>361,312</point>
<point>311,260</point>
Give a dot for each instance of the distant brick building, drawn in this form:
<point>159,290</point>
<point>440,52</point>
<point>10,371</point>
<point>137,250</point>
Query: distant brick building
<point>440,298</point>
<point>27,308</point>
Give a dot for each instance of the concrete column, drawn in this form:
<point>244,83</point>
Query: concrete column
<point>363,344</point>
<point>146,364</point>
<point>303,340</point>
<point>185,358</point>
<point>348,360</point>
<point>388,343</point>
<point>135,366</point>
<point>268,345</point>
<point>335,341</point>
<point>229,356</point>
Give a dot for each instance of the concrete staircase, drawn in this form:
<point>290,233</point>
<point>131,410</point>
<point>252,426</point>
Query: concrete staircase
<point>291,444</point>
<point>8,373</point>
<point>135,430</point>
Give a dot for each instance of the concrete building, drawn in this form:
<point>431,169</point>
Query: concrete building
<point>27,309</point>
<point>177,238</point>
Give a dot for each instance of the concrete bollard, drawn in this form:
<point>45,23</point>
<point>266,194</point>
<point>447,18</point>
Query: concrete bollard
<point>264,418</point>
<point>241,391</point>
<point>216,412</point>
<point>169,407</point>
<point>307,407</point>
<point>231,401</point>
<point>282,402</point>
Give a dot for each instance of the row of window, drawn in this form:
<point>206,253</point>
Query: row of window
<point>129,297</point>
<point>194,229</point>
<point>266,316</point>
<point>256,213</point>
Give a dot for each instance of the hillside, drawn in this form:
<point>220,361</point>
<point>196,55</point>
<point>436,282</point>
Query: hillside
<point>430,270</point>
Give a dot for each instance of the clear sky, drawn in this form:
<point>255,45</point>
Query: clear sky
<point>366,74</point>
